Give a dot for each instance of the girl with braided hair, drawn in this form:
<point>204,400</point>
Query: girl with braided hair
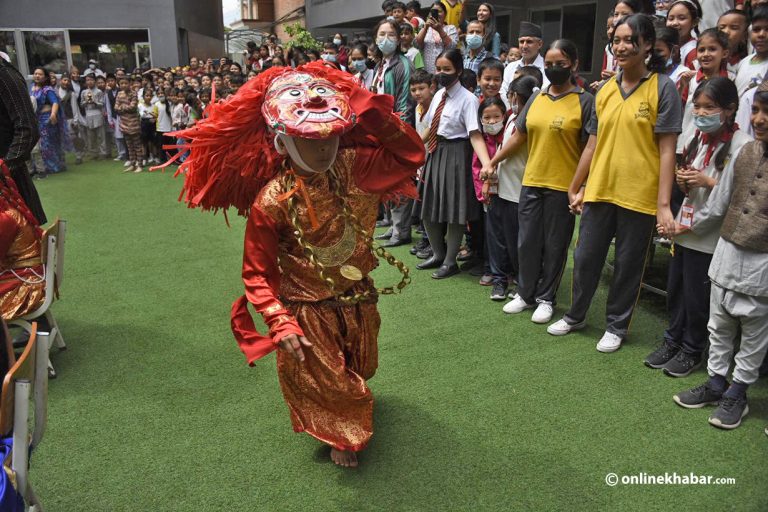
<point>307,156</point>
<point>22,276</point>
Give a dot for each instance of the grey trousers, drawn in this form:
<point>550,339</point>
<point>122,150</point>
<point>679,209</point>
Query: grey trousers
<point>600,223</point>
<point>545,232</point>
<point>731,312</point>
<point>76,133</point>
<point>95,141</point>
<point>401,219</point>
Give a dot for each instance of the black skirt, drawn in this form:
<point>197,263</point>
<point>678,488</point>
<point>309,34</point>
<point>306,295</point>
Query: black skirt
<point>447,193</point>
<point>28,192</point>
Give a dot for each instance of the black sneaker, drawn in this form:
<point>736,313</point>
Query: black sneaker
<point>698,397</point>
<point>681,365</point>
<point>425,254</point>
<point>729,413</point>
<point>661,356</point>
<point>420,246</point>
<point>499,292</point>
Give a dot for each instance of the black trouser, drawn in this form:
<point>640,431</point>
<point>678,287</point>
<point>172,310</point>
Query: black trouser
<point>600,223</point>
<point>546,230</point>
<point>476,238</point>
<point>688,289</point>
<point>501,239</point>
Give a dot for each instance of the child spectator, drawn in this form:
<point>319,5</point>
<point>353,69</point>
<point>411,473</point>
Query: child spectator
<point>422,89</point>
<point>739,274</point>
<point>735,25</point>
<point>92,101</point>
<point>493,115</point>
<point>490,74</point>
<point>127,108</point>
<point>667,46</point>
<point>406,46</point>
<point>684,16</point>
<point>146,113</point>
<point>108,125</point>
<point>164,124</point>
<point>554,122</point>
<point>413,15</point>
<point>468,80</point>
<point>360,66</point>
<point>715,142</point>
<point>754,67</point>
<point>179,116</point>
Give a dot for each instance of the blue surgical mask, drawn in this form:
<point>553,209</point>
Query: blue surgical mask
<point>387,45</point>
<point>708,124</point>
<point>328,57</point>
<point>661,13</point>
<point>669,62</point>
<point>358,65</point>
<point>337,42</point>
<point>474,41</point>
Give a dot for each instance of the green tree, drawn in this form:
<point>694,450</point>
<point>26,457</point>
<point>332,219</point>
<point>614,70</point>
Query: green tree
<point>300,36</point>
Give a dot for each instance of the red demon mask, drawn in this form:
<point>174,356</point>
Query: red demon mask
<point>298,104</point>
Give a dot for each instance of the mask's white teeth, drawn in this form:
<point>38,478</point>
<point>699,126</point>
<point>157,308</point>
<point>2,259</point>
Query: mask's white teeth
<point>335,114</point>
<point>303,117</point>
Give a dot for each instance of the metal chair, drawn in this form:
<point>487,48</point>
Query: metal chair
<point>25,390</point>
<point>53,255</point>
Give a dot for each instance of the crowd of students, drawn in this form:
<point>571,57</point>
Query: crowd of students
<point>668,143</point>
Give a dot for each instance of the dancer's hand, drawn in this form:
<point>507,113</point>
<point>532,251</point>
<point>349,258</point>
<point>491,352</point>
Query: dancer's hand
<point>292,345</point>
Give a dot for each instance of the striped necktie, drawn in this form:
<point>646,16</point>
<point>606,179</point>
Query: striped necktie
<point>432,140</point>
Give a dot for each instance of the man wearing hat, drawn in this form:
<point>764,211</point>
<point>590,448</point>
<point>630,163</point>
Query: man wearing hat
<point>93,69</point>
<point>529,41</point>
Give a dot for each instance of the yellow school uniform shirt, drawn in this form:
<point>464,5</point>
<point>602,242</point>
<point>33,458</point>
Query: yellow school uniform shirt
<point>557,131</point>
<point>453,15</point>
<point>625,167</point>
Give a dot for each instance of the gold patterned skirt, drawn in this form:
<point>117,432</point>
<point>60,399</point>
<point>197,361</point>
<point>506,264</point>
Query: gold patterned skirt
<point>327,394</point>
<point>21,294</point>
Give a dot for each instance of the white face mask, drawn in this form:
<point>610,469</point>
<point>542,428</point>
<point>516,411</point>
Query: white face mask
<point>92,66</point>
<point>289,148</point>
<point>493,129</point>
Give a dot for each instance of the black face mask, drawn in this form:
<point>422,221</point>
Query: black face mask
<point>446,79</point>
<point>557,75</point>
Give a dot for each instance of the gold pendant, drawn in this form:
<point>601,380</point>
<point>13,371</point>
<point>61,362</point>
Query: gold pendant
<point>351,272</point>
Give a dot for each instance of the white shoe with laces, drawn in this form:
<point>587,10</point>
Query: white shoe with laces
<point>128,163</point>
<point>517,305</point>
<point>609,343</point>
<point>561,327</point>
<point>543,313</point>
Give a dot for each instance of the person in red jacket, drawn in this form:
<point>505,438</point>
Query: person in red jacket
<point>307,155</point>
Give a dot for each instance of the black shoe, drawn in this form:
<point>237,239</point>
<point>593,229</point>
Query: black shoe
<point>383,223</point>
<point>661,356</point>
<point>41,175</point>
<point>430,263</point>
<point>681,365</point>
<point>420,246</point>
<point>468,265</point>
<point>425,254</point>
<point>467,256</point>
<point>477,271</point>
<point>729,413</point>
<point>445,271</point>
<point>499,292</point>
<point>698,397</point>
<point>395,243</point>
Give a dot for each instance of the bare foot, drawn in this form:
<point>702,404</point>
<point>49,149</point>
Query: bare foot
<point>344,458</point>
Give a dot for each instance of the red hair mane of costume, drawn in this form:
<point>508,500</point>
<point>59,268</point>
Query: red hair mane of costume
<point>232,154</point>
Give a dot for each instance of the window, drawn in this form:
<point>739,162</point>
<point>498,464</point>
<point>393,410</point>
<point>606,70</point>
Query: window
<point>8,45</point>
<point>574,22</point>
<point>111,48</point>
<point>46,49</point>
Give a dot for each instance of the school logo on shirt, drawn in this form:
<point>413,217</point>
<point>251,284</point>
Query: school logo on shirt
<point>644,111</point>
<point>557,124</point>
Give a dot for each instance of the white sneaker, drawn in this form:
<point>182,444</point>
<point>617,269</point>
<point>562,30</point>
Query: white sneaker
<point>144,162</point>
<point>117,159</point>
<point>609,343</point>
<point>561,327</point>
<point>543,313</point>
<point>516,305</point>
<point>128,163</point>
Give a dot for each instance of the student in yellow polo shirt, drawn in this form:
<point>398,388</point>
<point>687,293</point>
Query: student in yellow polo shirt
<point>554,124</point>
<point>454,12</point>
<point>629,168</point>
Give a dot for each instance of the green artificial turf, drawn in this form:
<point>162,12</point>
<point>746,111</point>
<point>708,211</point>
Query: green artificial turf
<point>155,408</point>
